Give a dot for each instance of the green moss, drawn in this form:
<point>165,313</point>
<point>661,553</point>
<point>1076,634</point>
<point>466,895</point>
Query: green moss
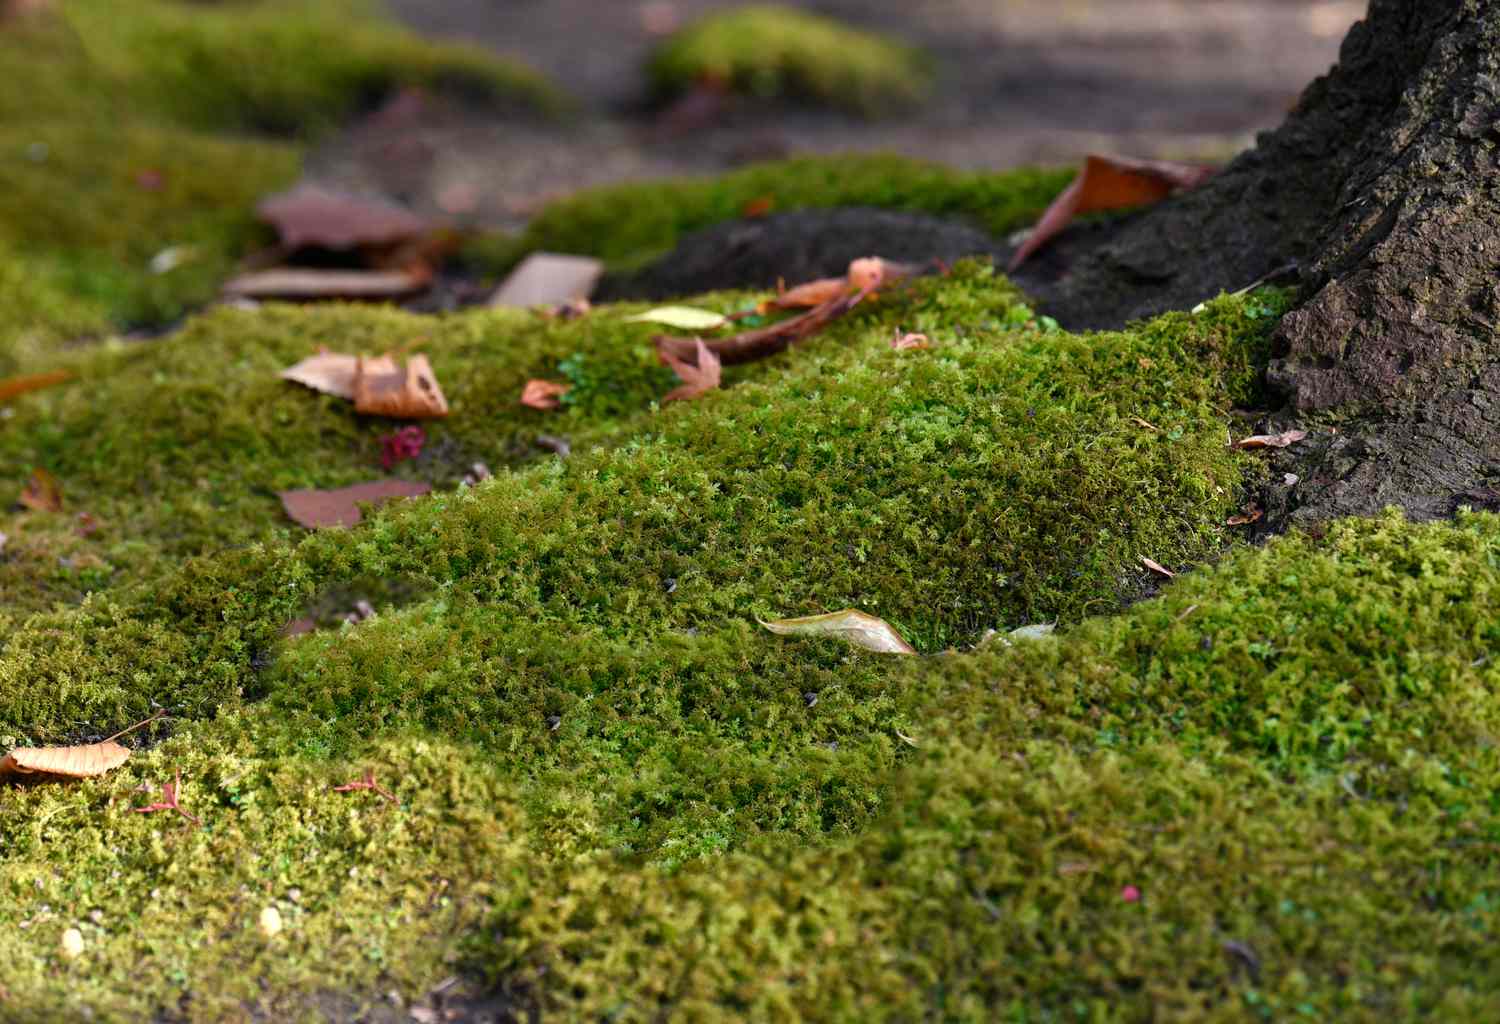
<point>774,52</point>
<point>628,225</point>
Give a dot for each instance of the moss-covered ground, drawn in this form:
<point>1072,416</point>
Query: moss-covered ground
<point>127,131</point>
<point>1262,791</point>
<point>778,52</point>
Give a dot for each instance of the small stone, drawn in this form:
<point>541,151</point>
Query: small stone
<point>1291,479</point>
<point>294,895</point>
<point>72,944</point>
<point>270,922</point>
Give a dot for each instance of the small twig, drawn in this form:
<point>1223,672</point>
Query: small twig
<point>368,782</point>
<point>133,728</point>
<point>168,801</point>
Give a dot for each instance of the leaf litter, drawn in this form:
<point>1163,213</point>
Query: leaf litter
<point>698,377</point>
<point>854,626</point>
<point>317,509</point>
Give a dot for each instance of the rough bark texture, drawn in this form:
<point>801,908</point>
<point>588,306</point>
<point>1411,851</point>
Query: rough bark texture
<point>1382,187</point>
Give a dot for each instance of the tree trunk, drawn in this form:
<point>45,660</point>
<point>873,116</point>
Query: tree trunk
<point>1382,188</point>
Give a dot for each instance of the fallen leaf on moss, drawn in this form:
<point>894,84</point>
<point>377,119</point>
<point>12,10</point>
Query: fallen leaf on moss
<point>547,279</point>
<point>1111,183</point>
<point>1282,440</point>
<point>13,387</point>
<point>384,388</point>
<point>78,762</point>
<point>310,215</point>
<point>1250,515</point>
<point>329,372</point>
<point>1158,568</point>
<point>311,283</point>
<point>684,318</point>
<point>873,273</point>
<point>758,207</point>
<point>315,509</point>
<point>543,394</point>
<point>698,377</point>
<point>909,342</point>
<point>42,492</point>
<point>763,341</point>
<point>168,801</point>
<point>856,627</point>
<point>806,296</point>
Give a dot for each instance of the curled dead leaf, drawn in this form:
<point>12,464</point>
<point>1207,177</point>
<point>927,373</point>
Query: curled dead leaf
<point>684,318</point>
<point>329,372</point>
<point>909,342</point>
<point>77,762</point>
<point>1251,515</point>
<point>549,279</point>
<point>1110,183</point>
<point>305,283</point>
<point>856,627</point>
<point>1282,440</point>
<point>383,388</point>
<point>42,492</point>
<point>698,377</point>
<point>1158,568</point>
<point>543,394</point>
<point>762,342</point>
<point>806,296</point>
<point>315,509</point>
<point>13,387</point>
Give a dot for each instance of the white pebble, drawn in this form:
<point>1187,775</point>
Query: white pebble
<point>270,922</point>
<point>72,944</point>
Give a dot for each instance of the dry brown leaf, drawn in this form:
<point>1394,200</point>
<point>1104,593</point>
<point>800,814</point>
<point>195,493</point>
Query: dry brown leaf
<point>908,342</point>
<point>1281,440</point>
<point>806,296</point>
<point>872,273</point>
<point>764,341</point>
<point>309,215</point>
<point>42,492</point>
<point>1111,183</point>
<point>13,387</point>
<point>293,283</point>
<point>543,394</point>
<point>698,378</point>
<point>1250,515</point>
<point>1158,568</point>
<point>549,279</point>
<point>315,509</point>
<point>856,627</point>
<point>79,762</point>
<point>383,388</point>
<point>329,372</point>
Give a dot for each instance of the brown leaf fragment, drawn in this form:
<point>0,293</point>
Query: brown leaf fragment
<point>383,388</point>
<point>310,215</point>
<point>42,492</point>
<point>1252,514</point>
<point>908,342</point>
<point>806,296</point>
<point>329,372</point>
<point>78,762</point>
<point>543,394</point>
<point>316,509</point>
<point>13,387</point>
<point>1282,440</point>
<point>305,283</point>
<point>854,626</point>
<point>698,377</point>
<point>1158,568</point>
<point>1110,183</point>
<point>748,346</point>
<point>549,279</point>
<point>872,273</point>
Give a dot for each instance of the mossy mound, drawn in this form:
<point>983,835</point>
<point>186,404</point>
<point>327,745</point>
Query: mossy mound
<point>126,136</point>
<point>776,52</point>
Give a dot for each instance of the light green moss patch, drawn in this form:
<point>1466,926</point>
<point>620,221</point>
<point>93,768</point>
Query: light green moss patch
<point>628,225</point>
<point>777,52</point>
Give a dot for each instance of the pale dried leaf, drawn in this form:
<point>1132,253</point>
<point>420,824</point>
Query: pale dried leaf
<point>854,626</point>
<point>549,279</point>
<point>314,509</point>
<point>684,318</point>
<point>806,296</point>
<point>1282,440</point>
<point>910,342</point>
<point>309,283</point>
<point>543,394</point>
<point>329,372</point>
<point>383,388</point>
<point>873,273</point>
<point>698,378</point>
<point>79,762</point>
<point>1157,567</point>
<point>309,215</point>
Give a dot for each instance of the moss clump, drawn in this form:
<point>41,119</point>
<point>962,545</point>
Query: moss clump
<point>630,225</point>
<point>108,160</point>
<point>776,52</point>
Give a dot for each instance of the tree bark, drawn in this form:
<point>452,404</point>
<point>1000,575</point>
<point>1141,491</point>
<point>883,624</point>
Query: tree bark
<point>1383,188</point>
